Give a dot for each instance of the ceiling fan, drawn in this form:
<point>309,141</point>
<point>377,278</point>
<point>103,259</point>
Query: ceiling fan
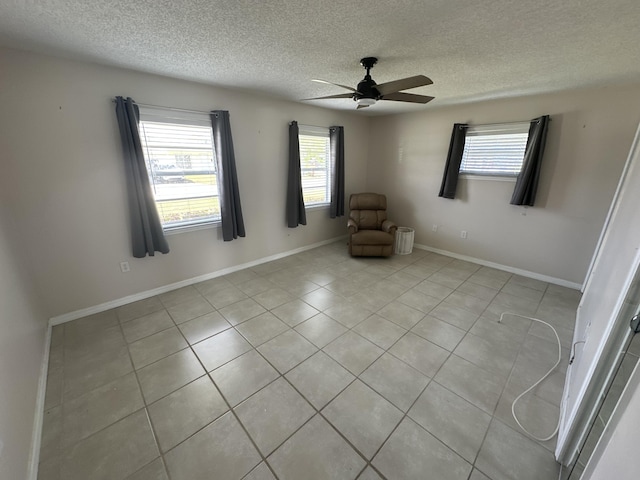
<point>369,92</point>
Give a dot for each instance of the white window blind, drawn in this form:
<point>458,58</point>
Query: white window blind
<point>180,161</point>
<point>315,165</point>
<point>496,150</point>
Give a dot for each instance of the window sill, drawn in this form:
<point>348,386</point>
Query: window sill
<point>494,178</point>
<point>192,228</point>
<point>317,206</point>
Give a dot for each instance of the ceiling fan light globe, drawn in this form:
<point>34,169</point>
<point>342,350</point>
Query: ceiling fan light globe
<point>366,101</point>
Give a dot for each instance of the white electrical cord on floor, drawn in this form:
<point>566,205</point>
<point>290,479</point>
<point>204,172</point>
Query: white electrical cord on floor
<point>542,379</point>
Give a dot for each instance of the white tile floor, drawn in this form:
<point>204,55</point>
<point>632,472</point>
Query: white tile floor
<point>315,366</point>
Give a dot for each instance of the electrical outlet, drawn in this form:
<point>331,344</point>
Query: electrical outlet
<point>434,228</point>
<point>124,267</point>
<point>463,234</point>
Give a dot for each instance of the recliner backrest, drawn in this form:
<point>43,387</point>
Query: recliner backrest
<point>368,210</point>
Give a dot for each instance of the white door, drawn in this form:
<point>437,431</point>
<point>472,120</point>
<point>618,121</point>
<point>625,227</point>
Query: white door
<point>601,325</point>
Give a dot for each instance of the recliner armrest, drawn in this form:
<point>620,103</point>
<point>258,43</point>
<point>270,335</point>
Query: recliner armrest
<point>389,227</point>
<point>352,226</point>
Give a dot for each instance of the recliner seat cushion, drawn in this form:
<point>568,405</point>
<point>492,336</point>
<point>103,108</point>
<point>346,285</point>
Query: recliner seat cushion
<point>372,237</point>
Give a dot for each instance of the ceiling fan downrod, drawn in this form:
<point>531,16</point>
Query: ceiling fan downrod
<point>368,63</point>
<point>367,94</point>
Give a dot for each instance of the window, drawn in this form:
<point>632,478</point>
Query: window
<point>178,152</point>
<point>495,150</point>
<point>315,165</point>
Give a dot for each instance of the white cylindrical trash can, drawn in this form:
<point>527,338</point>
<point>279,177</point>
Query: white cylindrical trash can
<point>404,240</point>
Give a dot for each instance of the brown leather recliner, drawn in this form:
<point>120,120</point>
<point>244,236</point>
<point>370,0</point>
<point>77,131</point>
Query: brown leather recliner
<point>370,233</point>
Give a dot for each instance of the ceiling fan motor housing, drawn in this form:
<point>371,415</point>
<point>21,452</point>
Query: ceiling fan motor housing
<point>366,89</point>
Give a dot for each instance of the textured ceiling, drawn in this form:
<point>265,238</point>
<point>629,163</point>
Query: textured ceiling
<point>472,50</point>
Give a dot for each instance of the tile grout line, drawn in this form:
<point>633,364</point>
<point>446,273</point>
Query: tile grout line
<point>432,379</point>
<point>493,416</point>
<point>357,377</point>
<point>318,412</point>
<point>144,407</point>
<point>144,402</point>
<point>473,464</point>
<point>62,404</point>
<point>206,374</point>
<point>486,433</point>
<point>229,407</point>
<point>153,428</point>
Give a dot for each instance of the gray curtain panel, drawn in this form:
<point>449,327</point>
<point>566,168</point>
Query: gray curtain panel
<point>336,143</point>
<point>454,158</point>
<point>147,236</point>
<point>524,192</point>
<point>228,191</point>
<point>296,214</point>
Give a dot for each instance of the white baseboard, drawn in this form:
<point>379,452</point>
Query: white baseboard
<point>36,436</point>
<point>506,268</point>
<point>68,317</point>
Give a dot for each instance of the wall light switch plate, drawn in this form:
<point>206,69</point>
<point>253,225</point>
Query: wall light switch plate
<point>463,234</point>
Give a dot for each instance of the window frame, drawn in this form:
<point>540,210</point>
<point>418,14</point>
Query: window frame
<point>159,115</point>
<point>488,130</point>
<point>318,132</point>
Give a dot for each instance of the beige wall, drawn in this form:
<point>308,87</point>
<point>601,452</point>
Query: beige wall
<point>22,331</point>
<point>63,153</point>
<point>588,142</point>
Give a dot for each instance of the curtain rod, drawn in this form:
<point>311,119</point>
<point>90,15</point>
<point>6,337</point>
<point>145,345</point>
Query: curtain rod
<point>312,126</point>
<point>500,123</point>
<point>167,108</point>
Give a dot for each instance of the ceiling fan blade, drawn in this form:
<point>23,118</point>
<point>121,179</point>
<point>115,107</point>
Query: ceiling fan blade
<point>340,95</point>
<point>407,97</point>
<point>403,84</point>
<point>336,84</point>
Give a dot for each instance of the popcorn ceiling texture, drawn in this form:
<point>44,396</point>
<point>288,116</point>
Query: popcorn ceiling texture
<point>472,50</point>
